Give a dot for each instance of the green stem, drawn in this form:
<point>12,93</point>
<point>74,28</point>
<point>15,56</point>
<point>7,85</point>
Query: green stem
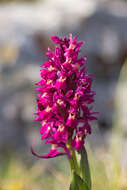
<point>74,163</point>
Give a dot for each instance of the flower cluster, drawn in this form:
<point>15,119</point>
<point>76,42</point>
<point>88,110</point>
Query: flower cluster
<point>64,97</point>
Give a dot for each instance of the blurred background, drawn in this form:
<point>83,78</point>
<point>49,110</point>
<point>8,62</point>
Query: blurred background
<point>25,30</point>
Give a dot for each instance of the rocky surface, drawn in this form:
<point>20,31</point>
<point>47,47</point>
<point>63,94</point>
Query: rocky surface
<point>24,36</point>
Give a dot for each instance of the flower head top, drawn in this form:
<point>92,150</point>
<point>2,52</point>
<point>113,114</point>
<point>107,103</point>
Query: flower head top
<point>64,98</point>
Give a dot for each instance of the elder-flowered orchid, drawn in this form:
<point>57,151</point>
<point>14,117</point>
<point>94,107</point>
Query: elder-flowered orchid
<point>63,106</point>
<point>64,98</point>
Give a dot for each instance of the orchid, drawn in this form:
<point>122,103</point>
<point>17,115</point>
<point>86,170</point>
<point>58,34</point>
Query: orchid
<point>63,101</point>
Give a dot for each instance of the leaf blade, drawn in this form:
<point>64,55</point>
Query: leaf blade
<point>78,183</point>
<point>84,167</point>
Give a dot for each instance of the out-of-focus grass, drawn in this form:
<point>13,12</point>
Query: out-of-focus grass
<point>106,170</point>
<point>42,175</point>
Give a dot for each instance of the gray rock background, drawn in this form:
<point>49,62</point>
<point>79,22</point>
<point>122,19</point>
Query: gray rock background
<point>25,30</point>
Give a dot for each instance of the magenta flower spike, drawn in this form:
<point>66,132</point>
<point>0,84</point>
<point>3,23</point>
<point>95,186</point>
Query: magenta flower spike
<point>64,98</point>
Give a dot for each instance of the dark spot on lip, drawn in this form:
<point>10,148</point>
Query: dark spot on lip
<point>72,114</point>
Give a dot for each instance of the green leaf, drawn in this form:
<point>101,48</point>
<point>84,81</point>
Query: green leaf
<point>84,167</point>
<point>74,185</point>
<point>77,183</point>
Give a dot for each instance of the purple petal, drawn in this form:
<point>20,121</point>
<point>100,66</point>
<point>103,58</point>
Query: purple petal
<point>52,153</point>
<point>57,40</point>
